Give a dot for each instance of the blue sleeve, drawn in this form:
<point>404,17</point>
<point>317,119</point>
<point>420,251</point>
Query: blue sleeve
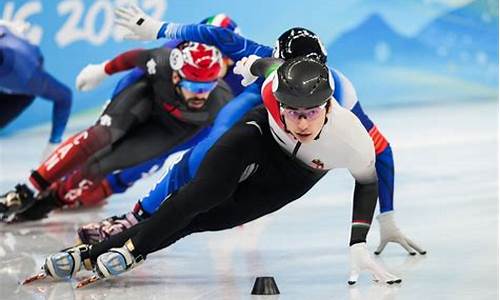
<point>385,172</point>
<point>358,111</point>
<point>384,164</point>
<point>127,80</point>
<point>42,84</point>
<point>228,42</point>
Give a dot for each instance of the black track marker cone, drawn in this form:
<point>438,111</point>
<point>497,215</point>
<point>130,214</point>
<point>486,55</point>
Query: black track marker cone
<point>265,286</point>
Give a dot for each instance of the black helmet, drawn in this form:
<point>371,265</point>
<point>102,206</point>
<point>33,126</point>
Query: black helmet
<point>299,41</point>
<point>302,82</point>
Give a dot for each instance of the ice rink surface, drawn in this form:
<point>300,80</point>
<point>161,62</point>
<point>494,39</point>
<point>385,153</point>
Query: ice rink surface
<point>446,199</point>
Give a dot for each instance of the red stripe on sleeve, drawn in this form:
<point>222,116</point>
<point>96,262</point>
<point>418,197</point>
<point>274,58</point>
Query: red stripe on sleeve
<point>122,62</point>
<point>379,140</point>
<point>380,148</point>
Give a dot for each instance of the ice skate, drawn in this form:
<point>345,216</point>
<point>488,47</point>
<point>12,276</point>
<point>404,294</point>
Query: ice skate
<point>63,265</point>
<point>113,263</point>
<point>16,201</point>
<point>43,204</point>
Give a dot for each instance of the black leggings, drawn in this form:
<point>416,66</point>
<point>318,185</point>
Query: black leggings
<point>11,106</point>
<point>216,199</point>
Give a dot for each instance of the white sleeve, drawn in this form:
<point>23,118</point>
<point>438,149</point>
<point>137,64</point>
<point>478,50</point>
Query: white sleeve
<point>363,170</point>
<point>362,161</point>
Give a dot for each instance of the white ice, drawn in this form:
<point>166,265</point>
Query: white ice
<point>446,199</point>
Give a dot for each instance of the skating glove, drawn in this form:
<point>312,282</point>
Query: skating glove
<point>19,28</point>
<point>389,232</point>
<point>91,76</point>
<point>242,68</point>
<point>362,260</point>
<point>138,24</point>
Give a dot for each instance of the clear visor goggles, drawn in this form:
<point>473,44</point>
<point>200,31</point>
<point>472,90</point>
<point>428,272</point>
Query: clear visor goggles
<point>307,113</point>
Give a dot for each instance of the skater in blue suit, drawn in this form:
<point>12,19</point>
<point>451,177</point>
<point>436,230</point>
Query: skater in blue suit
<point>23,78</point>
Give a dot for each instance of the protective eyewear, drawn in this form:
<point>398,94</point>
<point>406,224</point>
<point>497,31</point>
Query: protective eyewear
<point>307,113</point>
<point>198,87</point>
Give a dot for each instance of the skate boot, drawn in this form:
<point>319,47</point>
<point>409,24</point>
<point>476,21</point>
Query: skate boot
<point>16,201</point>
<point>117,261</point>
<point>44,203</point>
<point>113,263</point>
<point>94,233</point>
<point>64,265</point>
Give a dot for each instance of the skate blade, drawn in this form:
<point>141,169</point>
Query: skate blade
<point>87,281</point>
<point>35,277</point>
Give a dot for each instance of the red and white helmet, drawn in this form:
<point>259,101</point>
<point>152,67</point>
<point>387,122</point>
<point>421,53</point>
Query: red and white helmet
<point>197,61</point>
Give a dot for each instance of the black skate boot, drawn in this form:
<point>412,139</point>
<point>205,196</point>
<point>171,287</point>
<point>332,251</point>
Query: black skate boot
<point>45,202</point>
<point>16,201</point>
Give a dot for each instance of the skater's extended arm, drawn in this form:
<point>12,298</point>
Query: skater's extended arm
<point>253,67</point>
<point>231,44</point>
<point>127,61</point>
<point>346,95</point>
<point>362,167</point>
<point>389,231</point>
<point>93,74</point>
<point>46,86</point>
<point>143,27</point>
